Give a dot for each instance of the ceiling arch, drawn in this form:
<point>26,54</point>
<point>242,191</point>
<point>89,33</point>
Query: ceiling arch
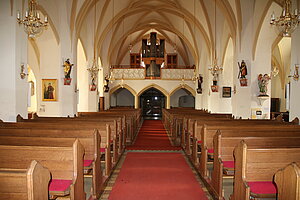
<point>194,33</point>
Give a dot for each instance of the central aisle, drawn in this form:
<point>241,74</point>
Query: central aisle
<point>154,175</point>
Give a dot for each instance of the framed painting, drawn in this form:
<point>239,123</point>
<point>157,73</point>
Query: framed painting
<point>49,89</point>
<point>226,92</point>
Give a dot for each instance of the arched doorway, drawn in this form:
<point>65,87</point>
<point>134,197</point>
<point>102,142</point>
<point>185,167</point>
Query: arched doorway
<point>122,98</point>
<point>182,98</point>
<point>152,101</point>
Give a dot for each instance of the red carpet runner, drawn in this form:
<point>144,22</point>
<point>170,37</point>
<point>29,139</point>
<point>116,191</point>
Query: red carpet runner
<point>152,136</point>
<point>154,175</point>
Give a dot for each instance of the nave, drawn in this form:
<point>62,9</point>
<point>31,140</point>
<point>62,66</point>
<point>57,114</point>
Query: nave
<point>115,154</point>
<point>154,169</point>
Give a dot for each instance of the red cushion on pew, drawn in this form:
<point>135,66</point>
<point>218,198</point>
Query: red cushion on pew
<point>102,150</point>
<point>210,151</point>
<point>199,141</point>
<point>228,164</point>
<point>87,163</point>
<point>59,185</point>
<point>262,187</point>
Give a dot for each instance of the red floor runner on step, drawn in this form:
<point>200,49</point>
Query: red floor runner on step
<point>156,176</point>
<point>152,136</point>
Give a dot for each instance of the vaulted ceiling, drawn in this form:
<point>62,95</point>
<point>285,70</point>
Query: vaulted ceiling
<point>187,25</point>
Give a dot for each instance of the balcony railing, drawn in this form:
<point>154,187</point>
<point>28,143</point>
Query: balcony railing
<point>141,67</point>
<point>127,72</point>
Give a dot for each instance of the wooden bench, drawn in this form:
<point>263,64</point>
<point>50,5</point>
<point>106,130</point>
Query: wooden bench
<point>90,139</point>
<point>25,184</point>
<point>224,144</point>
<point>255,168</point>
<point>116,124</point>
<point>74,125</point>
<point>195,130</point>
<point>288,182</point>
<point>132,119</point>
<point>64,163</point>
<point>208,132</point>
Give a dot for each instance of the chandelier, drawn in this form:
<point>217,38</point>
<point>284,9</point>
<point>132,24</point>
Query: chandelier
<point>94,68</point>
<point>287,22</point>
<point>33,25</point>
<point>215,69</point>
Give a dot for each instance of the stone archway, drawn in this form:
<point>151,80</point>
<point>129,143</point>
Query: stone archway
<point>152,101</point>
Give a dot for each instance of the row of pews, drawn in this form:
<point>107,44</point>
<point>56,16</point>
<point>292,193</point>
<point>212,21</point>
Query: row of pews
<point>47,157</point>
<point>262,156</point>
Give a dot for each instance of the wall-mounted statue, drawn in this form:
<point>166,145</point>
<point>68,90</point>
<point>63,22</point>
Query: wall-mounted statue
<point>263,81</point>
<point>200,81</point>
<point>242,73</point>
<point>214,86</point>
<point>106,88</point>
<point>67,71</point>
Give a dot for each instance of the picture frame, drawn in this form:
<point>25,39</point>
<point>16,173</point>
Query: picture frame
<point>226,92</point>
<point>49,89</point>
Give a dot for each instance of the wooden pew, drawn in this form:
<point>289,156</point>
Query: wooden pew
<point>90,139</point>
<point>73,125</point>
<point>208,132</point>
<point>132,119</point>
<point>64,163</point>
<point>288,182</point>
<point>255,168</point>
<point>25,184</point>
<point>116,123</point>
<point>195,129</point>
<point>224,144</point>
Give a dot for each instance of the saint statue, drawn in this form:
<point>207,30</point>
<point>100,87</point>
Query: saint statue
<point>243,70</point>
<point>263,81</point>
<point>67,68</point>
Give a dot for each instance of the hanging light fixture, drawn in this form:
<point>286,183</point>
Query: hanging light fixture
<point>33,25</point>
<point>215,69</point>
<point>287,22</point>
<point>94,68</point>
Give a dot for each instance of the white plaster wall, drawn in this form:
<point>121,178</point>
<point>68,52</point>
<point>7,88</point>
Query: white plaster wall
<point>262,62</point>
<point>82,79</point>
<point>295,85</point>
<point>13,50</point>
<point>50,66</point>
<point>33,99</point>
<point>243,47</point>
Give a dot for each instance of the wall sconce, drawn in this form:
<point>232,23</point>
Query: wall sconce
<point>234,89</point>
<point>296,73</point>
<point>23,73</point>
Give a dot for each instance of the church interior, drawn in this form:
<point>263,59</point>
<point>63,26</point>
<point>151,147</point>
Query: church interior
<point>156,99</point>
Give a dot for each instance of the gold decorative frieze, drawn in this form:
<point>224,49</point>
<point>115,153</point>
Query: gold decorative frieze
<point>177,74</point>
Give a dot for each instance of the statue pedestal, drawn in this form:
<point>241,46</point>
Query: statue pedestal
<point>262,99</point>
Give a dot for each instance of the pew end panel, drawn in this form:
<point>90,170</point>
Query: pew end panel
<point>255,168</point>
<point>243,191</point>
<point>31,183</point>
<point>64,163</point>
<point>288,182</point>
<point>108,161</point>
<point>97,171</point>
<point>77,187</point>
